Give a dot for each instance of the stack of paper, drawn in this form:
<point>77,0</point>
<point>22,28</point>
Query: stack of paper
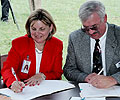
<point>90,91</point>
<point>79,98</point>
<point>46,87</point>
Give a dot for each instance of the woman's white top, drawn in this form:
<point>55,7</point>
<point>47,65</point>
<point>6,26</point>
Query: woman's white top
<point>38,59</point>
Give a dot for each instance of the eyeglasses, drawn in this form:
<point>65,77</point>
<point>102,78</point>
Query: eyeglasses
<point>93,27</point>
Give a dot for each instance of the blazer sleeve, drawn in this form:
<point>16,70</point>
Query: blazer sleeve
<point>12,61</point>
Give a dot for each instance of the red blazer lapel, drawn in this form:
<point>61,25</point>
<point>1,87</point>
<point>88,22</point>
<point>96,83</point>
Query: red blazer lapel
<point>32,57</point>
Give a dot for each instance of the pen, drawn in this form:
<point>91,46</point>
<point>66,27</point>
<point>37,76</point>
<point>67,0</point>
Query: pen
<point>16,77</point>
<point>14,74</point>
<point>100,71</point>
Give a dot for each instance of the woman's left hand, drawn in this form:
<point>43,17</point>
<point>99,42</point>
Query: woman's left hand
<point>34,80</point>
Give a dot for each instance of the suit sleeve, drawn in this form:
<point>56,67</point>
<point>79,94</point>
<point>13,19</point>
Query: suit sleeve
<point>71,70</point>
<point>114,70</point>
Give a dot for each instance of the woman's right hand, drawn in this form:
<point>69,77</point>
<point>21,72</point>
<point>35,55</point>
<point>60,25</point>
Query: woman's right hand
<point>17,86</point>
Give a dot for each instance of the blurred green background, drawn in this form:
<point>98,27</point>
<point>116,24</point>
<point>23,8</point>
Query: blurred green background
<point>64,13</point>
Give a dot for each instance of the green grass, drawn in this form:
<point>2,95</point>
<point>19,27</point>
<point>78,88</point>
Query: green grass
<point>64,12</point>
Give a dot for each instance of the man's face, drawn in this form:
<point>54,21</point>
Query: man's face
<point>94,27</point>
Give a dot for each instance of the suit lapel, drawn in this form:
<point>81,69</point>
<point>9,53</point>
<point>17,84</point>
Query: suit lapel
<point>111,44</point>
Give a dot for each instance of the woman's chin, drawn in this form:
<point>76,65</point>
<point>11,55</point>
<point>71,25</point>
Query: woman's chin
<point>39,41</point>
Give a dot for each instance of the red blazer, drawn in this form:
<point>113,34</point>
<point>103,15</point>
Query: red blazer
<point>51,62</point>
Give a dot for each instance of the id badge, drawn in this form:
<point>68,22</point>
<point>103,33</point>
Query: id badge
<point>118,64</point>
<point>26,66</point>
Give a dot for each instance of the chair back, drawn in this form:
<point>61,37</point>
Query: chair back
<point>2,59</point>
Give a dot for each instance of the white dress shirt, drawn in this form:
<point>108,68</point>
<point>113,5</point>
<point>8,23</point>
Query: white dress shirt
<point>102,43</point>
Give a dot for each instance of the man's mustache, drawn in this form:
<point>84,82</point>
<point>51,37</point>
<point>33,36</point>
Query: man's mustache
<point>97,32</point>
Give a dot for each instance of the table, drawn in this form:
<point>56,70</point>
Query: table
<point>64,95</point>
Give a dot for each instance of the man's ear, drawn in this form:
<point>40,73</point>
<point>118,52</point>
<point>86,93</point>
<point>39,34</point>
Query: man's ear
<point>105,18</point>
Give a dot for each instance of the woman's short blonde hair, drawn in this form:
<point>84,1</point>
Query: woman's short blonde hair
<point>42,15</point>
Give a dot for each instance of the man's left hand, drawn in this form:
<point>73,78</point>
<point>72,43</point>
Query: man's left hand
<point>101,81</point>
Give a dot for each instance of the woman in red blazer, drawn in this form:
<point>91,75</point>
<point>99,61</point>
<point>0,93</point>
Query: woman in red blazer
<point>35,56</point>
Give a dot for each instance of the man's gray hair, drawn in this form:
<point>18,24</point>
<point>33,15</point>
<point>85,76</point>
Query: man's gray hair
<point>89,8</point>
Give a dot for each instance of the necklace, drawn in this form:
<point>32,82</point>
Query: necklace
<point>38,51</point>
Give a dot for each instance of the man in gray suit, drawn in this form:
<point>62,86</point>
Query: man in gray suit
<point>79,61</point>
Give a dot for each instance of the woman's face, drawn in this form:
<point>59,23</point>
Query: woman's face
<point>39,31</point>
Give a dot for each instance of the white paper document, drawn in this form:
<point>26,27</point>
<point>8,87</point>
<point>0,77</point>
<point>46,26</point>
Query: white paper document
<point>79,98</point>
<point>101,98</point>
<point>46,87</point>
<point>75,98</point>
<point>90,91</point>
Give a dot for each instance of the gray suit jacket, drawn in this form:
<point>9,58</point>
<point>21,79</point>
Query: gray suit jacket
<point>78,61</point>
